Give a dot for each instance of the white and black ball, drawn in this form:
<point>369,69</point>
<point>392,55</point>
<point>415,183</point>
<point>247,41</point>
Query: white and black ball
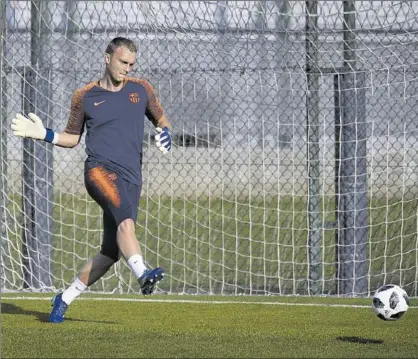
<point>390,302</point>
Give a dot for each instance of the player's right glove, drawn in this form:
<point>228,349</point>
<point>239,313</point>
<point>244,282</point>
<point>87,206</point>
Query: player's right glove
<point>163,139</point>
<point>31,127</point>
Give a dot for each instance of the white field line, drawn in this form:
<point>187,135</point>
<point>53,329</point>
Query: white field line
<point>182,301</point>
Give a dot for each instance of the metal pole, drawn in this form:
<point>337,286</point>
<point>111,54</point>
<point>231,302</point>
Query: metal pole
<point>37,171</point>
<point>3,140</point>
<point>312,118</point>
<point>351,179</point>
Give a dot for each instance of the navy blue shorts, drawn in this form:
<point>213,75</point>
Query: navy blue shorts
<point>117,197</point>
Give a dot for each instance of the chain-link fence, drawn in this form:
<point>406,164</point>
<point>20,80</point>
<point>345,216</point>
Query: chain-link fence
<point>250,199</point>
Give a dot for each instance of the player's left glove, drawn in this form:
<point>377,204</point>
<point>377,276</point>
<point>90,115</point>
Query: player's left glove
<point>163,139</point>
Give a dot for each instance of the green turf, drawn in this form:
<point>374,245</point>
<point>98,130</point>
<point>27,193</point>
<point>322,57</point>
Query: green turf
<point>254,246</point>
<point>149,329</point>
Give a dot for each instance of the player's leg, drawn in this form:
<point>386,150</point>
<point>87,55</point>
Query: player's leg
<point>127,242</point>
<point>95,268</point>
<point>125,234</point>
<point>92,271</point>
<point>129,245</point>
<point>101,189</point>
<point>119,199</point>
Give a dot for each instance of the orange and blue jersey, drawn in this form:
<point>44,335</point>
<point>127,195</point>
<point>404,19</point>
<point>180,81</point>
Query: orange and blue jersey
<point>114,123</point>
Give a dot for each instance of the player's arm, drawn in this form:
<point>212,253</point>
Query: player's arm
<point>68,140</point>
<point>33,127</point>
<point>155,113</point>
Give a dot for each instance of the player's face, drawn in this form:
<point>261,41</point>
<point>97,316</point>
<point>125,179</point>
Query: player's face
<point>120,63</point>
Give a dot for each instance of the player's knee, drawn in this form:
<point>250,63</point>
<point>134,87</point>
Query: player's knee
<point>126,226</point>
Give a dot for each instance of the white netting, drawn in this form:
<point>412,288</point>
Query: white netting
<point>227,211</point>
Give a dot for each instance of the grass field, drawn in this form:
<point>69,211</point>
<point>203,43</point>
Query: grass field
<point>256,246</point>
<point>172,326</point>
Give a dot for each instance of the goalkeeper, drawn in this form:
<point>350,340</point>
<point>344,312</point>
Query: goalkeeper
<point>112,110</point>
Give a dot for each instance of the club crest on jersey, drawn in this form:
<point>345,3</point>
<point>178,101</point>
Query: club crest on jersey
<point>112,176</point>
<point>134,97</point>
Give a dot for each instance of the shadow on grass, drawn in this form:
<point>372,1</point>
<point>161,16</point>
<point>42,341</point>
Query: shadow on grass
<point>9,308</point>
<point>360,340</point>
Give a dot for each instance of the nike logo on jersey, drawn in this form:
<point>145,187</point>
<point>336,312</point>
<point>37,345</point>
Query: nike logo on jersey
<point>99,103</point>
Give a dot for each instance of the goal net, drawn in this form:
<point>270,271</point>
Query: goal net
<point>294,167</point>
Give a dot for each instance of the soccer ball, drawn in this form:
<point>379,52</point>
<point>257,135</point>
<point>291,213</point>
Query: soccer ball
<point>390,302</point>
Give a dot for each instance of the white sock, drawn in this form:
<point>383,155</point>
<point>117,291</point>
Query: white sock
<point>73,291</point>
<point>136,263</point>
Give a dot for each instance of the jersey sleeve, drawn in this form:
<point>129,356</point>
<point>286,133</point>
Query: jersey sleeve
<point>154,110</point>
<point>75,125</point>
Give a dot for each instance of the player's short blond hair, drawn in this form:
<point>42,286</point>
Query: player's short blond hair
<point>120,42</point>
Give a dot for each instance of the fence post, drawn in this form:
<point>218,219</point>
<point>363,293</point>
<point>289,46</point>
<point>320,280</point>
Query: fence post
<point>3,141</point>
<point>37,172</point>
<point>312,118</point>
<point>351,172</point>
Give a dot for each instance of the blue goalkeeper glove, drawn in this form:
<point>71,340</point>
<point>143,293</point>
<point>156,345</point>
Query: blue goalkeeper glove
<point>163,139</point>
